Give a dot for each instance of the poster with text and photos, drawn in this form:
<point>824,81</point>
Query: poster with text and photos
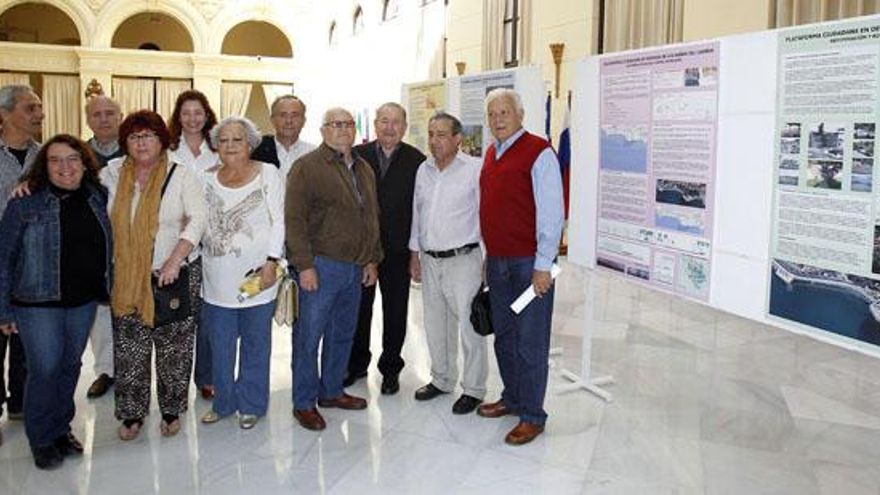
<point>658,117</point>
<point>422,102</point>
<point>825,241</point>
<point>475,134</point>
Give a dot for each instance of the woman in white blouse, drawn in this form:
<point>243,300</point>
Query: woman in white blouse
<point>190,126</point>
<point>157,210</point>
<point>244,235</point>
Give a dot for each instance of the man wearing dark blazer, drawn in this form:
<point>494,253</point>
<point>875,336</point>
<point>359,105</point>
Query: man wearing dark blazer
<point>288,116</point>
<point>395,164</point>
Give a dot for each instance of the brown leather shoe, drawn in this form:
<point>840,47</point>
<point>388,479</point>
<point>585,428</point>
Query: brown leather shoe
<point>493,410</point>
<point>207,391</point>
<point>344,401</point>
<point>100,386</point>
<point>523,433</point>
<point>310,419</point>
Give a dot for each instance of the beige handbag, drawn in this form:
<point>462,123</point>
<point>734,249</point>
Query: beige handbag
<point>287,302</point>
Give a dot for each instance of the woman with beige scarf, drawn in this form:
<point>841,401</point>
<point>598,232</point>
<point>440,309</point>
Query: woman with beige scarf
<point>158,215</point>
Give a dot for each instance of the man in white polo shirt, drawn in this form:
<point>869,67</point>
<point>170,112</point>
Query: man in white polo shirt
<point>446,257</point>
<point>288,118</point>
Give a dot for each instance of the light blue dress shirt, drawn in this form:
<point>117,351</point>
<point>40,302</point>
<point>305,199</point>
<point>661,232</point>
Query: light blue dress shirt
<point>549,206</point>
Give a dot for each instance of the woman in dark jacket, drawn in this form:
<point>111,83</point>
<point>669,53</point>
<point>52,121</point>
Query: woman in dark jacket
<point>55,265</point>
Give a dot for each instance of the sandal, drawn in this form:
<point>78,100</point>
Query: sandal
<point>130,429</point>
<point>210,417</point>
<point>169,429</point>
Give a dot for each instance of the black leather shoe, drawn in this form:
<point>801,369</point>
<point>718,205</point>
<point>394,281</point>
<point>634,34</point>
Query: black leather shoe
<point>428,392</point>
<point>465,404</point>
<point>100,386</point>
<point>68,445</point>
<point>47,457</point>
<point>351,378</point>
<point>390,385</point>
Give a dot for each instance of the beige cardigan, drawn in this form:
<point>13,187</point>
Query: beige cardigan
<point>182,213</point>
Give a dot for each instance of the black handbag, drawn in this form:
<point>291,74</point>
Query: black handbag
<point>171,301</point>
<point>481,312</point>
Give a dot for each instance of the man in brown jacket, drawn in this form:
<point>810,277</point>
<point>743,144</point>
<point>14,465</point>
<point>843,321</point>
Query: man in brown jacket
<point>332,219</point>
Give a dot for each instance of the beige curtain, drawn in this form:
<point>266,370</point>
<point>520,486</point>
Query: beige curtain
<point>796,12</point>
<point>60,105</point>
<point>493,34</point>
<point>525,31</point>
<point>7,78</point>
<point>234,99</point>
<point>633,24</point>
<point>166,95</point>
<point>272,91</point>
<point>133,94</point>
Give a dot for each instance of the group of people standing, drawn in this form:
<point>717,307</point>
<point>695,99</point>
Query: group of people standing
<point>97,227</point>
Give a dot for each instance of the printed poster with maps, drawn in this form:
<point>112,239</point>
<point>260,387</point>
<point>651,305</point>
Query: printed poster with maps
<point>658,117</point>
<point>825,240</point>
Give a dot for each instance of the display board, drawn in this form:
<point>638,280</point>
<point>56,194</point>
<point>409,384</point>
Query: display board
<point>466,99</point>
<point>473,91</point>
<point>799,256</point>
<point>825,240</point>
<point>421,101</point>
<point>658,117</point>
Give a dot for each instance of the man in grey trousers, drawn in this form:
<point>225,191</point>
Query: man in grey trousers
<point>446,257</point>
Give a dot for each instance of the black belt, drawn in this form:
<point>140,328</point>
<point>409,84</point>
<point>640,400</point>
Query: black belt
<point>449,253</point>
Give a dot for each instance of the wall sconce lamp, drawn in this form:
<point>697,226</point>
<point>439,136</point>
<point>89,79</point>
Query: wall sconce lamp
<point>556,49</point>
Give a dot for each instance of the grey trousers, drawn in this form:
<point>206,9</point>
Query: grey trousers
<point>101,338</point>
<point>448,286</point>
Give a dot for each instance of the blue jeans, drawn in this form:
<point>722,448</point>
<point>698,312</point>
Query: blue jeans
<point>522,342</point>
<point>331,313</point>
<point>54,340</point>
<point>249,394</point>
<point>203,361</point>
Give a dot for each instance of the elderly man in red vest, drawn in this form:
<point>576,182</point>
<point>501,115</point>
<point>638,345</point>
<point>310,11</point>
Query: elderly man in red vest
<point>521,217</point>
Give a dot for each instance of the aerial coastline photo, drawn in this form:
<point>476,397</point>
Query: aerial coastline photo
<point>845,304</point>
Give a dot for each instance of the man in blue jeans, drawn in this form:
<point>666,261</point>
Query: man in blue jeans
<point>332,233</point>
<point>521,218</point>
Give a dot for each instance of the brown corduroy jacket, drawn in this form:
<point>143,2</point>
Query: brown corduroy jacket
<point>325,216</point>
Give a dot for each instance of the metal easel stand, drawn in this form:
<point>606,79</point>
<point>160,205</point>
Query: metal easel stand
<point>585,381</point>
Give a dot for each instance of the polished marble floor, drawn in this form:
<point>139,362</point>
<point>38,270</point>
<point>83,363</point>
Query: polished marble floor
<point>704,402</point>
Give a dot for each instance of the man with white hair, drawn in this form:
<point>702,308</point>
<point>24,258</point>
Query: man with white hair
<point>22,115</point>
<point>521,217</point>
<point>395,164</point>
<point>103,116</point>
<point>332,232</point>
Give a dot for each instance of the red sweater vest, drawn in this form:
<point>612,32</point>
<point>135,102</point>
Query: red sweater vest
<point>507,202</point>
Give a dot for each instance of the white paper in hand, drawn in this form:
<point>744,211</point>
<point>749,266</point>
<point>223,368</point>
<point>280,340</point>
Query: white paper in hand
<point>526,297</point>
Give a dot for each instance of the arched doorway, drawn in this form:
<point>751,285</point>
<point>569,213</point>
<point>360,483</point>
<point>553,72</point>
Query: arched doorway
<point>149,30</point>
<point>256,38</point>
<point>38,23</point>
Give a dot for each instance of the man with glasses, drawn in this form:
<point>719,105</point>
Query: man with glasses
<point>332,233</point>
<point>394,164</point>
<point>288,118</point>
<point>22,115</point>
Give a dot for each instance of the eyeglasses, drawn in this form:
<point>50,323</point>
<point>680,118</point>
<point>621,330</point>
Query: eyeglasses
<point>142,136</point>
<point>340,124</point>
